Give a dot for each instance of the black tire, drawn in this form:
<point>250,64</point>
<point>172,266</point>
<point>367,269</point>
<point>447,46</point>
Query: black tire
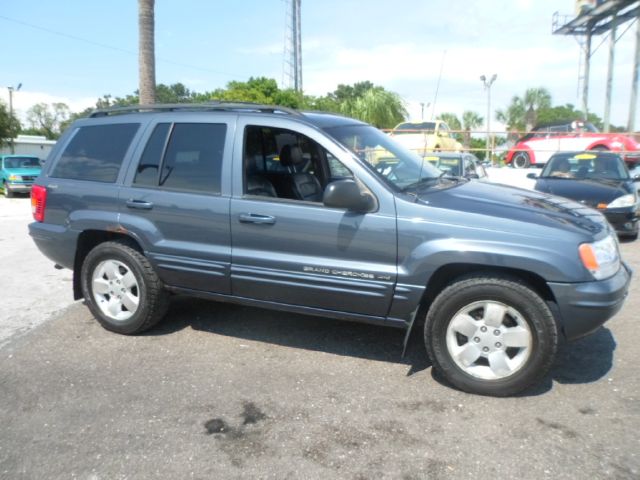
<point>7,191</point>
<point>495,289</point>
<point>521,160</point>
<point>153,299</point>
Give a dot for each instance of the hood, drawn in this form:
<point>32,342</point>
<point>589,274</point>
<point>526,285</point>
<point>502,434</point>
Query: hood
<point>587,192</point>
<point>518,205</point>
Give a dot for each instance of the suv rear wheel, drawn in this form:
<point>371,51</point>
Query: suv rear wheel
<point>490,335</point>
<point>121,289</point>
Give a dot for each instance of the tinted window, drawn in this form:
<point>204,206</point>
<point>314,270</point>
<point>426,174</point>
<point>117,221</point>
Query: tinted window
<point>147,171</point>
<point>194,157</point>
<point>96,152</point>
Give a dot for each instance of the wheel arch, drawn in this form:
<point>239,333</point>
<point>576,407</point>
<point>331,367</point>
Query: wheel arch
<point>88,240</point>
<point>447,274</point>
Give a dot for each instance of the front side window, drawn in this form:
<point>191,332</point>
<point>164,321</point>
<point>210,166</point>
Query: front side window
<point>282,163</point>
<point>96,152</point>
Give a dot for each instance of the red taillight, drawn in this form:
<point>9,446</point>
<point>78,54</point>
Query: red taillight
<point>38,202</point>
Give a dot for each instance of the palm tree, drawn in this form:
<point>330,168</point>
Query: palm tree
<point>523,111</point>
<point>451,119</point>
<point>146,52</point>
<point>470,120</point>
<point>513,115</point>
<point>377,106</point>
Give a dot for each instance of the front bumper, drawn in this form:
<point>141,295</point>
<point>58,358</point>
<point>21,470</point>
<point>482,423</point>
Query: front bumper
<point>20,187</point>
<point>624,221</point>
<point>583,307</point>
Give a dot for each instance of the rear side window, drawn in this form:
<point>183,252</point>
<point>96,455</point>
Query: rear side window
<point>96,152</point>
<point>191,160</point>
<point>147,172</point>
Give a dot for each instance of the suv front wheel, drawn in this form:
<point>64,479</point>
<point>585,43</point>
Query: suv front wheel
<point>491,335</point>
<point>121,289</point>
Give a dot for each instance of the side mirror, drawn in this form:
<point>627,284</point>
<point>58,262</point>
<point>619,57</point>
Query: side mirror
<point>532,176</point>
<point>348,194</point>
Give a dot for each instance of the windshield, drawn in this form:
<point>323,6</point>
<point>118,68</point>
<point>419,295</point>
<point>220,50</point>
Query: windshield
<point>590,166</point>
<point>397,166</point>
<point>414,128</point>
<point>22,162</point>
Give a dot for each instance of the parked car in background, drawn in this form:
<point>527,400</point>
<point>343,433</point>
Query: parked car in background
<point>536,147</point>
<point>17,173</point>
<point>458,164</point>
<point>426,137</point>
<point>598,179</point>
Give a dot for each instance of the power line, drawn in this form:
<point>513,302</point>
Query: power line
<point>119,49</point>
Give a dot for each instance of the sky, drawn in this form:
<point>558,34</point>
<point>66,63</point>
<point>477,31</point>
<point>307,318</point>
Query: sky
<point>75,51</point>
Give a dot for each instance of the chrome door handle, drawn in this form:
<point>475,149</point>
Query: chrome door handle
<point>139,204</point>
<point>253,218</point>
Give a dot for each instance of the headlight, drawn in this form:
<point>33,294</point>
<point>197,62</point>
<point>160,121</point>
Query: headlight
<point>623,201</point>
<point>15,178</point>
<point>600,258</point>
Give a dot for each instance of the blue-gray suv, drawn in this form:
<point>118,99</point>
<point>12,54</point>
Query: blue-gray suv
<point>325,215</point>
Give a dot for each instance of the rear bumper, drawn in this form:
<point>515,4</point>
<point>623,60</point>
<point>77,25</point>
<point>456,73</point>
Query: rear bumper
<point>56,242</point>
<point>583,307</point>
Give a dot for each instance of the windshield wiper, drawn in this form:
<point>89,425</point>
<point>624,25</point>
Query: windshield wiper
<point>422,181</point>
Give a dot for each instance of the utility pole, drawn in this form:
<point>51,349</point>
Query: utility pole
<point>634,82</point>
<point>487,85</point>
<point>585,76</point>
<point>11,90</point>
<point>607,100</point>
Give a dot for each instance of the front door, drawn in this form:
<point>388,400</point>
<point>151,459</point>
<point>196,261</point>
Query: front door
<point>299,252</point>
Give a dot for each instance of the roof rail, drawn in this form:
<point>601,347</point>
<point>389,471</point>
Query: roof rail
<point>200,107</point>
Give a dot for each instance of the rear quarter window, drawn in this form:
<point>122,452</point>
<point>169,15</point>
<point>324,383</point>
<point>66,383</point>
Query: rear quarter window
<point>96,152</point>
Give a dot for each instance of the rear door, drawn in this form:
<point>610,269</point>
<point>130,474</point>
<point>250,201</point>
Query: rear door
<point>302,253</point>
<point>176,199</point>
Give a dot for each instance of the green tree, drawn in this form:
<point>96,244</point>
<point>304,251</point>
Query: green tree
<point>349,93</point>
<point>470,120</point>
<point>451,119</point>
<point>48,119</point>
<point>9,124</point>
<point>376,106</point>
<point>261,90</point>
<point>526,109</point>
<point>565,114</point>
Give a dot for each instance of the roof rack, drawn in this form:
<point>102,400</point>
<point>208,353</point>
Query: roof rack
<point>199,107</point>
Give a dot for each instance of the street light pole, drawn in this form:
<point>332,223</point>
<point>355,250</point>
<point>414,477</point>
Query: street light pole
<point>487,85</point>
<point>11,90</point>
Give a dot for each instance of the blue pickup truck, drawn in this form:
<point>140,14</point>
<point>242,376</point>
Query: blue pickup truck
<point>17,173</point>
<point>325,215</point>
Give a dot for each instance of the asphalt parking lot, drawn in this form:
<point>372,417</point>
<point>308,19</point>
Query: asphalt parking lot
<point>222,391</point>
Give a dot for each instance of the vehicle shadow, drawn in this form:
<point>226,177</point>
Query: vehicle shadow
<point>583,361</point>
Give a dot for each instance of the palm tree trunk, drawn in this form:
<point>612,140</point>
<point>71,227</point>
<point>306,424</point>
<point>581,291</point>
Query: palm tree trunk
<point>146,52</point>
